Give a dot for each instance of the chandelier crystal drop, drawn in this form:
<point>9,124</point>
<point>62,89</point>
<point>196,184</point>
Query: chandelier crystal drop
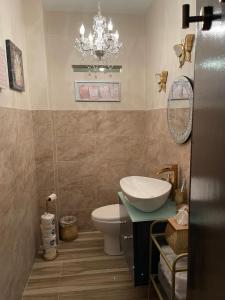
<point>101,44</point>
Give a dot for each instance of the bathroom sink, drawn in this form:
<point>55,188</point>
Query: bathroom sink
<point>144,193</point>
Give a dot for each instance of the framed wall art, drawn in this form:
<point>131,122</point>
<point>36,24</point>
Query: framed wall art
<point>3,73</point>
<point>15,67</point>
<point>98,91</point>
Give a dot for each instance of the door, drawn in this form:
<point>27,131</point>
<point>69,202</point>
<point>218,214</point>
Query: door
<point>207,200</point>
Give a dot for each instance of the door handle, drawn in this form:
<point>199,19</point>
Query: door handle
<point>207,17</point>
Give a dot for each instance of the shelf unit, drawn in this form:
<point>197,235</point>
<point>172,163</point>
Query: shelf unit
<point>158,240</point>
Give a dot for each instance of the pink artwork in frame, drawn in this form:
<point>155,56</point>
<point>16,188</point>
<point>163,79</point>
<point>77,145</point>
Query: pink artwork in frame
<point>98,91</point>
<point>3,73</point>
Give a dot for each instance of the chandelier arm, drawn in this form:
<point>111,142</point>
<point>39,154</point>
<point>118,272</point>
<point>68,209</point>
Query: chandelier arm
<point>85,50</point>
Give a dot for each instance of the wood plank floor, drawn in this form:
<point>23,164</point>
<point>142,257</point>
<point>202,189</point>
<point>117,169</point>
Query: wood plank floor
<point>82,271</point>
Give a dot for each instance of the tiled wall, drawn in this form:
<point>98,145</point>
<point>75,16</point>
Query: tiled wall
<point>82,155</point>
<point>19,215</point>
<point>162,149</point>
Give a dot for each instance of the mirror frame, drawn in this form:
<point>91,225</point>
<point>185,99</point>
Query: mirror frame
<point>181,138</point>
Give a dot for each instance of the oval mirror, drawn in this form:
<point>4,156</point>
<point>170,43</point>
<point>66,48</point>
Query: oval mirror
<point>179,109</point>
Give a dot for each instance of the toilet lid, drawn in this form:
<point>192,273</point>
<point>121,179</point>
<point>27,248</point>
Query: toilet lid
<point>109,212</point>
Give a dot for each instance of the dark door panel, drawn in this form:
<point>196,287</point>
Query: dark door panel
<point>207,200</point>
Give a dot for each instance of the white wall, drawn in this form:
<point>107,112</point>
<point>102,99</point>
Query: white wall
<point>62,29</point>
<point>12,27</point>
<point>22,22</point>
<point>148,49</point>
<point>36,53</point>
<point>163,31</point>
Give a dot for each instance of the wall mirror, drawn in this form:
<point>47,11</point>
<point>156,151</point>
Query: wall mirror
<point>179,109</point>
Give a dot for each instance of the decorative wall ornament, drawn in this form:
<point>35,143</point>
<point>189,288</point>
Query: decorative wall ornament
<point>15,67</point>
<point>162,80</point>
<point>180,53</point>
<point>98,91</point>
<point>184,49</point>
<point>3,73</point>
<point>189,42</point>
<point>102,43</point>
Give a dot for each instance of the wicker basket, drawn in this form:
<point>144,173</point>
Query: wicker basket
<point>177,236</point>
<point>68,228</point>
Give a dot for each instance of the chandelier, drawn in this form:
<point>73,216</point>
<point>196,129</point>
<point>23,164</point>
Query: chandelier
<point>101,44</point>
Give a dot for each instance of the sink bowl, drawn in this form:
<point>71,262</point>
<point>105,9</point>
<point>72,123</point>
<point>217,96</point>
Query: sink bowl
<point>144,193</point>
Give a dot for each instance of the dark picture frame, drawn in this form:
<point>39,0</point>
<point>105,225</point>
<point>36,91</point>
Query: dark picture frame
<point>15,67</point>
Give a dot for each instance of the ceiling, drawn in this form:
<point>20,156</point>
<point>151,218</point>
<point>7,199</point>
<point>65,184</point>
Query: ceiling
<point>134,7</point>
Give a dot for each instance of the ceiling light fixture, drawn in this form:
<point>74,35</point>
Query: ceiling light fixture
<point>101,44</point>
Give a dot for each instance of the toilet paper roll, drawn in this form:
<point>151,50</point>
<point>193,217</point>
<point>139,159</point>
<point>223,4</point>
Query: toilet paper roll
<point>47,220</point>
<point>52,197</point>
<point>49,242</point>
<point>47,227</point>
<point>50,254</point>
<point>48,232</point>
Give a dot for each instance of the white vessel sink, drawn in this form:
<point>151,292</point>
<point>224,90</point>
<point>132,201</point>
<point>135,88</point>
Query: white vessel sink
<point>144,193</point>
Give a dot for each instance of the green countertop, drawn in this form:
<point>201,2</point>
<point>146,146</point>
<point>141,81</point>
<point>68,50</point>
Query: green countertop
<point>168,210</point>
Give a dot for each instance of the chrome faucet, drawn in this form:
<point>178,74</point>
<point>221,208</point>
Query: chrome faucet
<point>173,169</point>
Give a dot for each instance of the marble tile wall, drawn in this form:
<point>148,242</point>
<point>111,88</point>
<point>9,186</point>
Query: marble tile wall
<point>162,149</point>
<point>82,155</point>
<point>19,213</point>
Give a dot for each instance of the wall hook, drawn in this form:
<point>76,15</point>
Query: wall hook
<point>207,17</point>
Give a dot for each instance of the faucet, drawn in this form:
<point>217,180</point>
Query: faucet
<point>174,169</point>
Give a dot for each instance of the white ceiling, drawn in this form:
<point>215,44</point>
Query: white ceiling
<point>136,7</point>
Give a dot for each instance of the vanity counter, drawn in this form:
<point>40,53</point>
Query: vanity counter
<point>168,210</point>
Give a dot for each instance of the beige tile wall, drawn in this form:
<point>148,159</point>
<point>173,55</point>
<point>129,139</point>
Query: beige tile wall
<point>82,155</point>
<point>19,213</point>
<point>161,147</point>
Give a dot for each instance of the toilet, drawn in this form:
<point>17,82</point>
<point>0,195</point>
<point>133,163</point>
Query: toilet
<point>107,220</point>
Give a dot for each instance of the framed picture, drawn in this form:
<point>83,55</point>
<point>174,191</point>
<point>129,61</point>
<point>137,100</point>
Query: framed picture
<point>3,74</point>
<point>98,91</point>
<point>15,67</point>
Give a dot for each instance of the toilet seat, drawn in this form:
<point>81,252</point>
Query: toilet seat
<point>109,213</point>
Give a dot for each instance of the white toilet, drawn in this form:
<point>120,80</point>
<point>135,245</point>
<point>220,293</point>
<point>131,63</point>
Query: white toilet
<point>107,220</point>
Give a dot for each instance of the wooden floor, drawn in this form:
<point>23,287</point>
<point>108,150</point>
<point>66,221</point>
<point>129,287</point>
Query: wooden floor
<point>82,271</point>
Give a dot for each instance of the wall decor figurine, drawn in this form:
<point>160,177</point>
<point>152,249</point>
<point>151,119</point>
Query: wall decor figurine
<point>189,42</point>
<point>184,49</point>
<point>162,80</point>
<point>3,73</point>
<point>15,67</point>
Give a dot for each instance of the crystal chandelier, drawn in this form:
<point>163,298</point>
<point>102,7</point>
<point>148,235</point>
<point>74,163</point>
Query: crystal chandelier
<point>101,44</point>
